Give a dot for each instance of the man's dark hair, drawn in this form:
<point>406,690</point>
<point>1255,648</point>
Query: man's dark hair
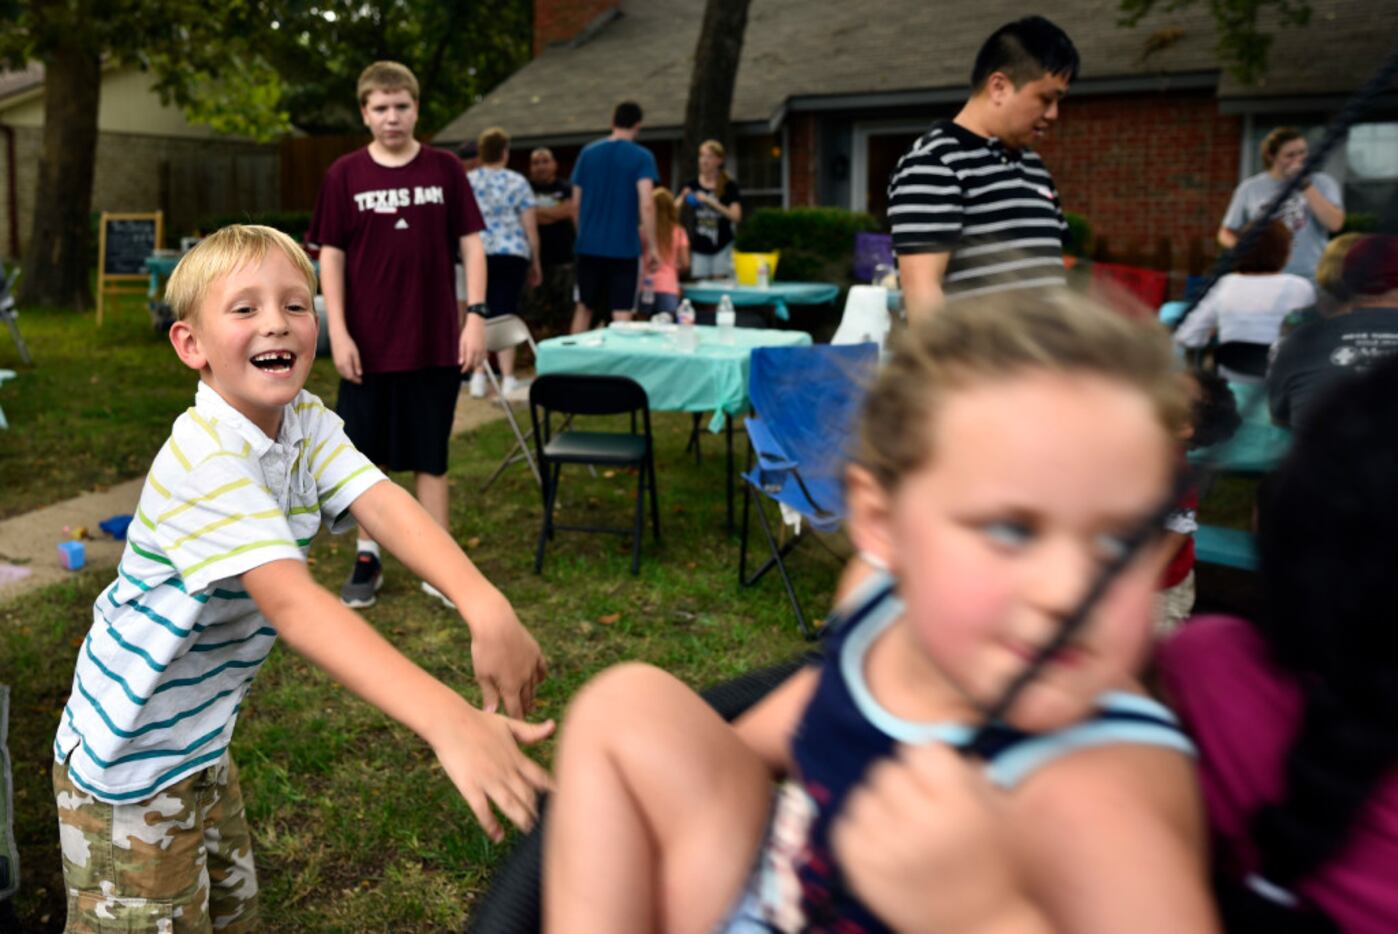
<point>468,150</point>
<point>1025,50</point>
<point>626,115</point>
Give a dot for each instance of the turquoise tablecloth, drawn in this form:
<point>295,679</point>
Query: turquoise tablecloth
<point>714,378</point>
<point>1258,445</point>
<point>779,294</point>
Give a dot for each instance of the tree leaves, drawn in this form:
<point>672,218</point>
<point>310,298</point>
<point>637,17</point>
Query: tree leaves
<point>1242,45</point>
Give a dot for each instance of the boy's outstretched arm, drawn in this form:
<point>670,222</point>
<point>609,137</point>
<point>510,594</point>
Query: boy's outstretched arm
<point>478,750</point>
<point>506,658</point>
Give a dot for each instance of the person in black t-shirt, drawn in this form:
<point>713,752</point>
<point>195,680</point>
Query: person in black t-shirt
<point>550,304</point>
<point>1311,360</point>
<point>712,204</point>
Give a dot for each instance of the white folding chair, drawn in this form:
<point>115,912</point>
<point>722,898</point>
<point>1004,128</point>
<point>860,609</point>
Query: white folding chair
<point>504,333</point>
<point>865,319</point>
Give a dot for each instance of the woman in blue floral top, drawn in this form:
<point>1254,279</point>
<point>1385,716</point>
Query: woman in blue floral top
<point>511,239</point>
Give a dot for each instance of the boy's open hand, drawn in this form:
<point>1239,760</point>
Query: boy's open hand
<point>471,352</point>
<point>346,354</point>
<point>922,841</point>
<point>480,752</point>
<point>507,662</point>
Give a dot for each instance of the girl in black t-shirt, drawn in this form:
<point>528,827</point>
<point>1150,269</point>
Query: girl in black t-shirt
<point>712,206</point>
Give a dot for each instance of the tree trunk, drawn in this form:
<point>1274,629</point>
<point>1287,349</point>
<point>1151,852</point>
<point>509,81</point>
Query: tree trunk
<point>57,261</point>
<point>716,58</point>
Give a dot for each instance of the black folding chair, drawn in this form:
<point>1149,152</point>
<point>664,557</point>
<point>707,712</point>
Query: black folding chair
<point>575,394</point>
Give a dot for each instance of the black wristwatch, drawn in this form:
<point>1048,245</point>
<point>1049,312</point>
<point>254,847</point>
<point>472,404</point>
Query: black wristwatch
<point>479,308</point>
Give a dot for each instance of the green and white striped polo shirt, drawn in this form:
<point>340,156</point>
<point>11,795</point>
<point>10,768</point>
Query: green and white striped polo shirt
<point>175,640</point>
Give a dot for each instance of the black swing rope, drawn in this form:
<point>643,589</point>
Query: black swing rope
<point>1146,531</point>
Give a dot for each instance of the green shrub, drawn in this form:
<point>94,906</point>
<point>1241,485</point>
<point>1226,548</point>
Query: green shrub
<point>803,234</point>
<point>291,223</point>
<point>1079,234</point>
<point>1360,222</point>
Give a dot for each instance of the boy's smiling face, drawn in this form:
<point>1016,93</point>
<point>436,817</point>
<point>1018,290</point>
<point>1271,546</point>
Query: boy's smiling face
<point>254,338</point>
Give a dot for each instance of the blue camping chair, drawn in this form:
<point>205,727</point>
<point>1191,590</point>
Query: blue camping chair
<point>805,401</point>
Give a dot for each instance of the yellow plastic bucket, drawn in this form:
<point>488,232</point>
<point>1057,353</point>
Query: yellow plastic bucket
<point>745,266</point>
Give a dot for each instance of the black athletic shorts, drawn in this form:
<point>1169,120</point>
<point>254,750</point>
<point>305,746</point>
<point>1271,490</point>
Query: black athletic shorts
<point>504,281</point>
<point>402,421</point>
<point>606,283</point>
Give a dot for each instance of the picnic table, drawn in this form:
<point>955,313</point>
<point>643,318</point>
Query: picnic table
<point>711,378</point>
<point>779,295</point>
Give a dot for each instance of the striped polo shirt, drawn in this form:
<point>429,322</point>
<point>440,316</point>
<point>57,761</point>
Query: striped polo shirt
<point>995,209</point>
<point>175,640</point>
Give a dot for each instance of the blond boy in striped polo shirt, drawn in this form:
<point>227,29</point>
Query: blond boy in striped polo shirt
<point>150,813</point>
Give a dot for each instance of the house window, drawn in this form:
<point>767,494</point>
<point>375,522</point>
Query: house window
<point>1371,166</point>
<point>757,165</point>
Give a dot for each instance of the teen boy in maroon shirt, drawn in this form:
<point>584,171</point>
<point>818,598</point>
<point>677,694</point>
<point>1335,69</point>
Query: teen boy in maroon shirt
<point>388,221</point>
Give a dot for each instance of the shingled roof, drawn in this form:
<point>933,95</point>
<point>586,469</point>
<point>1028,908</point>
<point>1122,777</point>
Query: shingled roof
<point>20,80</point>
<point>797,50</point>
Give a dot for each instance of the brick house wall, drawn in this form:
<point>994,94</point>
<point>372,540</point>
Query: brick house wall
<point>1147,169</point>
<point>561,20</point>
<point>803,160</point>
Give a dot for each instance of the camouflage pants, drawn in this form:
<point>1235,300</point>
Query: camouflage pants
<point>179,861</point>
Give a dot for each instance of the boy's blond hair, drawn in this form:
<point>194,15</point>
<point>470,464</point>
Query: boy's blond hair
<point>977,341</point>
<point>222,253</point>
<point>387,77</point>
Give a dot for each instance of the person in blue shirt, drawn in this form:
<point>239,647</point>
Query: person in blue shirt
<point>612,183</point>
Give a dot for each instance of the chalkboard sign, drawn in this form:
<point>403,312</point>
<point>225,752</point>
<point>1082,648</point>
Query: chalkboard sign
<point>124,241</point>
<point>129,242</point>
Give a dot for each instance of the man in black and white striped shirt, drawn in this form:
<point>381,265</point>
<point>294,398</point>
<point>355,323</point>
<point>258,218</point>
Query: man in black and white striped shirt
<point>973,208</point>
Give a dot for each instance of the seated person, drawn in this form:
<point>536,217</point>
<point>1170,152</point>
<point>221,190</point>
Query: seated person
<point>666,817</point>
<point>1320,353</point>
<point>1247,307</point>
<point>1331,296</point>
<point>1294,712</point>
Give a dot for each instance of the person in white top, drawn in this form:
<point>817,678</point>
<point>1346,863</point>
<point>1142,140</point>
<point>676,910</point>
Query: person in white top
<point>1246,308</point>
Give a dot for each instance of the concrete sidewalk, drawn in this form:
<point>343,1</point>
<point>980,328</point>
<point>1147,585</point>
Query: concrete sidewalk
<point>31,540</point>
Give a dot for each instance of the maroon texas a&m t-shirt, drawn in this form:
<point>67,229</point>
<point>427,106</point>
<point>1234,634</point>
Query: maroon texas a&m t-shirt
<point>399,228</point>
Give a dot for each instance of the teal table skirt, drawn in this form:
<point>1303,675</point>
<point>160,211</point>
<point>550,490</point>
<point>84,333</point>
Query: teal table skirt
<point>779,295</point>
<point>712,378</point>
<point>1258,445</point>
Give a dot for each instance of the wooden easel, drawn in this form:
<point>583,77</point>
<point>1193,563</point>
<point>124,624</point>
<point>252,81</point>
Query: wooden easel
<point>124,242</point>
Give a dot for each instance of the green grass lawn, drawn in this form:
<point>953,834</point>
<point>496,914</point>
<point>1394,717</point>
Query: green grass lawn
<point>356,828</point>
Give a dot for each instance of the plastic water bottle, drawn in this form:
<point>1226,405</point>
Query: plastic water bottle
<point>647,292</point>
<point>726,319</point>
<point>687,337</point>
<point>764,274</point>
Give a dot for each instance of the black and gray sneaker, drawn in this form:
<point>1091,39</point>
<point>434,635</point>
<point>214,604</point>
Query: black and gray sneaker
<point>364,581</point>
